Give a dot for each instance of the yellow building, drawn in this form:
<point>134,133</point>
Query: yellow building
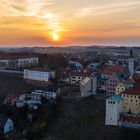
<point>125,85</point>
<point>131,100</point>
<point>120,88</point>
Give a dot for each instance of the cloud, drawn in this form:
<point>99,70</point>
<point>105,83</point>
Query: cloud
<point>108,9</point>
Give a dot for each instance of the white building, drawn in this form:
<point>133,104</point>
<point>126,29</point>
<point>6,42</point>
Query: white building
<point>88,86</point>
<point>50,93</point>
<point>15,62</point>
<point>39,74</point>
<point>113,109</point>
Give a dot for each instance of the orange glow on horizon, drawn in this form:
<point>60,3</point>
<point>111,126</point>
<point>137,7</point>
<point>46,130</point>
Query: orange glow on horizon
<point>41,22</point>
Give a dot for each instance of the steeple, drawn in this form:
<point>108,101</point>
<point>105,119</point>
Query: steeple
<point>131,63</point>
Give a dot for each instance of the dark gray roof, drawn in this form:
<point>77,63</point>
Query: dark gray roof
<point>122,76</point>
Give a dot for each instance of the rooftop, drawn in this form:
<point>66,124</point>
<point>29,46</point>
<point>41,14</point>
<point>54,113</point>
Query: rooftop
<point>115,69</point>
<point>15,56</point>
<point>84,81</point>
<point>115,98</point>
<point>135,90</point>
<point>129,81</point>
<point>40,69</point>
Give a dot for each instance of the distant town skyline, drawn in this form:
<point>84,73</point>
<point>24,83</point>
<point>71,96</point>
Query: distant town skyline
<point>69,22</point>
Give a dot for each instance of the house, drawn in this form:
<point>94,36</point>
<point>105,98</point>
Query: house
<point>74,77</point>
<point>11,98</point>
<point>12,61</point>
<point>77,76</point>
<point>88,86</point>
<point>26,99</point>
<point>52,93</point>
<point>37,95</point>
<point>49,93</point>
<point>65,78</point>
<point>77,65</point>
<point>6,124</point>
<point>39,74</point>
<point>94,65</point>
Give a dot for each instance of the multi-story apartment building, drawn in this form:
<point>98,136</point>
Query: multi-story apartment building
<point>74,77</point>
<point>113,80</point>
<point>16,61</point>
<point>38,74</point>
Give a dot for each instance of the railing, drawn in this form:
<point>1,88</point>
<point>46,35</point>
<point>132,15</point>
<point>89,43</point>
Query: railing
<point>11,71</point>
<point>129,124</point>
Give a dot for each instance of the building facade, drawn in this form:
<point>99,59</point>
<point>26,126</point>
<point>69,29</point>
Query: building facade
<point>113,109</point>
<point>39,74</point>
<point>16,62</point>
<point>127,114</point>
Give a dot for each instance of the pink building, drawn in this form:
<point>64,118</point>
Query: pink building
<point>113,80</point>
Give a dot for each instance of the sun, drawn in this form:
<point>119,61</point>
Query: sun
<point>55,37</point>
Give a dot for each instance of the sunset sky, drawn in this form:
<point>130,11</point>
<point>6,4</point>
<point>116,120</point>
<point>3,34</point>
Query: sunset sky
<point>69,22</point>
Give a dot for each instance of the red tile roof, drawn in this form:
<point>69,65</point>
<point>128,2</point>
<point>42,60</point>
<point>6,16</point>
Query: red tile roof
<point>129,81</point>
<point>135,90</point>
<point>115,69</point>
<point>80,73</point>
<point>83,72</point>
<point>136,77</point>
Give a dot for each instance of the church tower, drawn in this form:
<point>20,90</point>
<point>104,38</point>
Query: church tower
<point>131,63</point>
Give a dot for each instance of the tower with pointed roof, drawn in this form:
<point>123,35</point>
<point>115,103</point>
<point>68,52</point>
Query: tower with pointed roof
<point>131,63</point>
